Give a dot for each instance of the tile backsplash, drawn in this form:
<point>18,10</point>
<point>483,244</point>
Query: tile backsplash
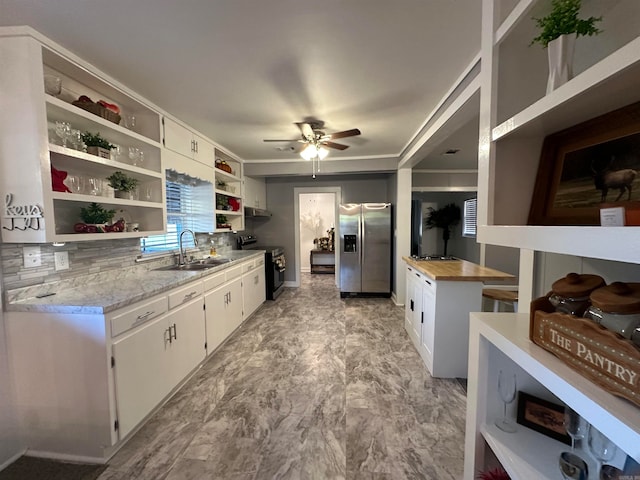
<point>86,258</point>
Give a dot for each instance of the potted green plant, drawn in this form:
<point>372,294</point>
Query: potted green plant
<point>96,145</point>
<point>558,32</point>
<point>221,221</point>
<point>122,184</point>
<point>95,217</point>
<point>445,218</point>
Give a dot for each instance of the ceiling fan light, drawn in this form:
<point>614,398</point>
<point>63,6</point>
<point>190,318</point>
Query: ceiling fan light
<point>322,153</point>
<point>309,152</point>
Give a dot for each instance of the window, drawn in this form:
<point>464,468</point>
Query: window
<point>469,219</point>
<point>189,205</point>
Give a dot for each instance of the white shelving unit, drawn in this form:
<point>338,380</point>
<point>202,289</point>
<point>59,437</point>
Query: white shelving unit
<point>516,115</point>
<point>31,147</point>
<point>233,189</point>
<point>502,342</point>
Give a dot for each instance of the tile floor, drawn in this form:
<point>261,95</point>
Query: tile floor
<point>310,387</point>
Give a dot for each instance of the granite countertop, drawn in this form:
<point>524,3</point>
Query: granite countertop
<point>109,291</point>
<point>457,270</point>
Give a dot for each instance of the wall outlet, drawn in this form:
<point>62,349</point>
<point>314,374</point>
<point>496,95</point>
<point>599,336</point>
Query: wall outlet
<point>62,260</point>
<point>31,257</point>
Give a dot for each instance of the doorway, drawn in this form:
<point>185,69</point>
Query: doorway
<point>316,211</point>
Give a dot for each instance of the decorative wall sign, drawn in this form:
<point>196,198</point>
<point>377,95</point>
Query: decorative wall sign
<point>21,217</point>
<point>587,166</point>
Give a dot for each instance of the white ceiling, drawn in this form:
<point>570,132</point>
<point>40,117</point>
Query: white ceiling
<point>241,71</point>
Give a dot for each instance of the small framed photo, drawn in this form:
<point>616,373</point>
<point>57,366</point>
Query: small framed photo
<point>542,416</point>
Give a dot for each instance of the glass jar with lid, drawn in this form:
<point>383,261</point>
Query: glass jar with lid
<point>617,308</point>
<point>570,294</point>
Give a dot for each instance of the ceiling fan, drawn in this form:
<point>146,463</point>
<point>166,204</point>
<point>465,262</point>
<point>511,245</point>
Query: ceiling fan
<point>312,134</point>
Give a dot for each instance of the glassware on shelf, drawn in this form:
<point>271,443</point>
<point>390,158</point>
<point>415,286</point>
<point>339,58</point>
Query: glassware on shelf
<point>52,85</point>
<point>63,130</point>
<point>130,121</point>
<point>95,186</point>
<point>600,446</point>
<point>575,425</point>
<point>76,140</point>
<point>136,156</point>
<point>573,467</point>
<point>148,193</point>
<point>76,183</point>
<point>507,391</point>
<point>116,153</point>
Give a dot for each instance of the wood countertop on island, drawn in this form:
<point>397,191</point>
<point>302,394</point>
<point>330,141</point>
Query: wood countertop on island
<point>457,270</point>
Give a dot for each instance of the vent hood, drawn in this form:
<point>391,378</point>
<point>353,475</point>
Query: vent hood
<point>256,212</point>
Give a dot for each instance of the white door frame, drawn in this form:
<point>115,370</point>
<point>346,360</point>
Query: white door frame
<point>296,202</point>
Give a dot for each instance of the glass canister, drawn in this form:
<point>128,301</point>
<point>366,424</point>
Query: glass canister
<point>571,293</point>
<point>617,308</point>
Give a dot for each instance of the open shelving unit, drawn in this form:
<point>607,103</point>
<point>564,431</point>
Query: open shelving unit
<point>232,189</point>
<point>28,136</point>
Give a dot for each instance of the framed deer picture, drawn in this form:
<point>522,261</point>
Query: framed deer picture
<point>590,166</point>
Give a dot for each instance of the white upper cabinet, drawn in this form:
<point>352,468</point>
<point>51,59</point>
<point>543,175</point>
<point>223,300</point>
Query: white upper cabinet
<point>185,142</point>
<point>33,154</point>
<point>517,115</point>
<point>255,192</point>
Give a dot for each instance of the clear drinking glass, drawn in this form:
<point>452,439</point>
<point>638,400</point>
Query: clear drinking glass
<point>507,390</point>
<point>63,130</point>
<point>130,121</point>
<point>575,425</point>
<point>600,446</point>
<point>134,155</point>
<point>95,186</point>
<point>76,183</point>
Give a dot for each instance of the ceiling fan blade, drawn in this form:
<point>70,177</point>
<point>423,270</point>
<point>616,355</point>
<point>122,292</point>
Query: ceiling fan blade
<point>337,146</point>
<point>347,133</point>
<point>281,140</point>
<point>306,130</point>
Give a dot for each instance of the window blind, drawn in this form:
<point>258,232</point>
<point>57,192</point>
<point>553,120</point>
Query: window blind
<point>469,221</point>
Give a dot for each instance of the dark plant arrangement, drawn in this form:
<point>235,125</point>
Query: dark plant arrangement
<point>122,182</point>
<point>95,140</point>
<point>445,218</point>
<point>96,213</point>
<point>563,20</point>
<point>221,219</point>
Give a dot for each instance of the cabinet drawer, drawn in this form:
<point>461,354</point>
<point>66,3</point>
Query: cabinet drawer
<point>234,272</point>
<point>213,281</point>
<point>248,266</point>
<point>259,262</point>
<point>185,294</point>
<point>138,315</point>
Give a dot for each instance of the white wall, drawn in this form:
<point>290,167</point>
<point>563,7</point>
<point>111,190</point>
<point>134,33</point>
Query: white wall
<point>317,215</point>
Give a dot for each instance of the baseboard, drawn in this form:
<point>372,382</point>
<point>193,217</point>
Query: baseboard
<point>12,459</point>
<point>65,457</point>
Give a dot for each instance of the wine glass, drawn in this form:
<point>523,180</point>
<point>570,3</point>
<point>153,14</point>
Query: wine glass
<point>76,183</point>
<point>575,425</point>
<point>507,390</point>
<point>600,446</point>
<point>63,130</point>
<point>95,186</point>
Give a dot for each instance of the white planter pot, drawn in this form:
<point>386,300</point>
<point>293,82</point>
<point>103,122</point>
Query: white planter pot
<point>560,54</point>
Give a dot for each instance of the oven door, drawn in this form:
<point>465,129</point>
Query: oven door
<point>278,268</point>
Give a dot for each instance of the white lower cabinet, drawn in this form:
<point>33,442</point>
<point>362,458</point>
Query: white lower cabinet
<point>253,287</point>
<point>152,361</point>
<point>437,321</point>
<point>224,312</point>
<point>413,306</point>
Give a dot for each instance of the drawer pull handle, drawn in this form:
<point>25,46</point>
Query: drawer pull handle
<point>189,296</point>
<point>175,331</point>
<point>144,316</point>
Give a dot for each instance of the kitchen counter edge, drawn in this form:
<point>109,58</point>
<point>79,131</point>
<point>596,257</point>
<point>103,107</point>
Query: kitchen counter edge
<point>457,271</point>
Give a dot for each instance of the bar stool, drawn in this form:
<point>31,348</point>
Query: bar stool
<point>499,295</point>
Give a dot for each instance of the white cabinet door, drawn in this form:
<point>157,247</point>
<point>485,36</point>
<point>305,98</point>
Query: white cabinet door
<point>428,322</point>
<point>253,291</point>
<point>141,382</point>
<point>413,308</point>
<point>188,338</point>
<point>204,151</point>
<point>223,313</point>
<point>178,138</point>
<point>255,192</point>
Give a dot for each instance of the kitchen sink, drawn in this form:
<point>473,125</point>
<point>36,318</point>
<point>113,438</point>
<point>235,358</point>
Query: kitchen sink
<point>200,265</point>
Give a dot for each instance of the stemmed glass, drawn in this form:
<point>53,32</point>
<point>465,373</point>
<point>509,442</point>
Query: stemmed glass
<point>63,130</point>
<point>507,390</point>
<point>575,425</point>
<point>600,446</point>
<point>95,185</point>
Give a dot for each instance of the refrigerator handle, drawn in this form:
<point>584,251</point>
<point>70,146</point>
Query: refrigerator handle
<point>362,239</point>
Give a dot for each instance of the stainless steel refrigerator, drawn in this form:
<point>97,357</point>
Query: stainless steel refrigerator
<point>365,249</point>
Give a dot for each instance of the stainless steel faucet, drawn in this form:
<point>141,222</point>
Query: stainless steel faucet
<point>182,257</point>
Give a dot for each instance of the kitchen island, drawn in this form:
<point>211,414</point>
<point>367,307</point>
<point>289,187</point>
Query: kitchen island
<point>440,295</point>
